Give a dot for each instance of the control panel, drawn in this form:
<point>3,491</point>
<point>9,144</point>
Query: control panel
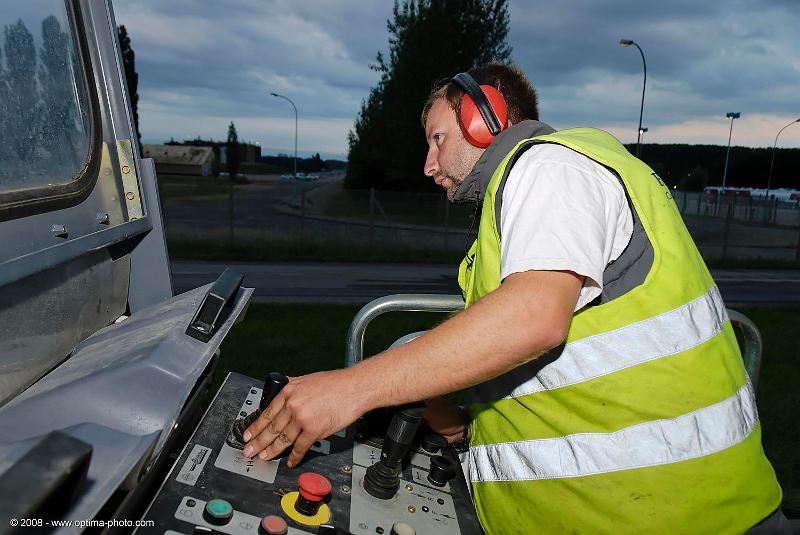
<point>384,475</point>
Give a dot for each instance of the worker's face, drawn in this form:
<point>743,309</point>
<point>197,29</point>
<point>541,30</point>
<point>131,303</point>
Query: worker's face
<point>450,156</point>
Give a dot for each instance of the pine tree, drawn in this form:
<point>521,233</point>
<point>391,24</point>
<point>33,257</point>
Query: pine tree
<point>232,154</point>
<point>428,40</point>
<point>132,78</point>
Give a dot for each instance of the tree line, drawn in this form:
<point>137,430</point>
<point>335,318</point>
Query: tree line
<point>692,167</point>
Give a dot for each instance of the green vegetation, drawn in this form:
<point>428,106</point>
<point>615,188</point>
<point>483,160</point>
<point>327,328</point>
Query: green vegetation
<point>288,250</point>
<point>779,397</point>
<point>692,167</point>
<point>232,154</point>
<point>298,339</point>
<point>190,187</point>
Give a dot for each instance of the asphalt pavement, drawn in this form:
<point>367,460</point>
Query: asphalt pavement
<point>359,283</point>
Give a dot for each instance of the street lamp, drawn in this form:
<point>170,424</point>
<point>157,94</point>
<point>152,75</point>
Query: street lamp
<point>294,175</point>
<point>625,43</point>
<point>642,131</point>
<point>772,162</point>
<point>730,115</point>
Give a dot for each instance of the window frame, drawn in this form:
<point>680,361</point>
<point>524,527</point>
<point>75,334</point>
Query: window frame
<point>39,199</point>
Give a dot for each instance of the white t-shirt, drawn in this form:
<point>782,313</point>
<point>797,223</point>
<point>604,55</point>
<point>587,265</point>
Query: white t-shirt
<point>563,211</point>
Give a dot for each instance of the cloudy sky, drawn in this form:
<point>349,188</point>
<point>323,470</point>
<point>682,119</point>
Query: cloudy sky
<point>203,64</point>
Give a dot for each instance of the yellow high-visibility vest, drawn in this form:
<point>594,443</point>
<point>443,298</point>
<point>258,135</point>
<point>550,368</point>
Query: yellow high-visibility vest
<point>645,420</point>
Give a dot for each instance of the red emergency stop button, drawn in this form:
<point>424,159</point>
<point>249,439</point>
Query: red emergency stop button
<point>314,488</point>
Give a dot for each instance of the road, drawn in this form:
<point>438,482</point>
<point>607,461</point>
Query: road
<point>359,283</point>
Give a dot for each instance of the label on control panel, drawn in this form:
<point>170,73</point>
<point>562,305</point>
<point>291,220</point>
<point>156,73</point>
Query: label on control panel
<point>194,464</point>
<point>234,461</point>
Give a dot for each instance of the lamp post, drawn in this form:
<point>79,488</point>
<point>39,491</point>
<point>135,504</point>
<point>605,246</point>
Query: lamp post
<point>625,43</point>
<point>772,162</point>
<point>730,115</point>
<point>294,175</point>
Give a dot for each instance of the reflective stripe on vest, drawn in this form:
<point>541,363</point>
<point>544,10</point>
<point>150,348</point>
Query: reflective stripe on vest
<point>667,334</point>
<point>694,434</point>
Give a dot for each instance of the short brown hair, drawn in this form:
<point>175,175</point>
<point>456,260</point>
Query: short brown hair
<point>508,79</point>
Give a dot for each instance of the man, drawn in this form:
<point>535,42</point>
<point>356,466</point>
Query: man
<point>610,394</point>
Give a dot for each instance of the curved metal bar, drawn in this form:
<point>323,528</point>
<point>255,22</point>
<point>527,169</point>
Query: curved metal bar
<point>393,303</point>
<point>407,338</point>
<point>751,352</point>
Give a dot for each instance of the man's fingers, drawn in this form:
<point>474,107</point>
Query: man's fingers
<point>284,439</point>
<point>301,446</point>
<point>264,418</point>
<point>271,429</point>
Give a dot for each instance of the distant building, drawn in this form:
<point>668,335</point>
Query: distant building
<point>181,159</point>
<point>249,152</point>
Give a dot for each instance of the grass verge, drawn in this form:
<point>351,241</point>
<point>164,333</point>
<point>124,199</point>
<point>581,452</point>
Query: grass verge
<point>263,251</point>
<point>298,339</point>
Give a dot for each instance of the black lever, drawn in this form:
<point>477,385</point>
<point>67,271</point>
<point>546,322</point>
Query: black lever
<point>272,386</point>
<point>382,479</point>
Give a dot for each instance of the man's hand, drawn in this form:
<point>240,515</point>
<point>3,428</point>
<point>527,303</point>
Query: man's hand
<point>307,409</point>
<point>445,418</point>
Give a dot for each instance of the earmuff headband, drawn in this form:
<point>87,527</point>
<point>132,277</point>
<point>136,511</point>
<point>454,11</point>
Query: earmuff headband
<point>471,87</point>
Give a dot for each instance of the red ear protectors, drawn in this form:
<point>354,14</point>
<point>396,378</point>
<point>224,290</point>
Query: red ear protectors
<point>484,112</point>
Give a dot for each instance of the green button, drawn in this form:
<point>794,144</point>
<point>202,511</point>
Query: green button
<point>218,511</point>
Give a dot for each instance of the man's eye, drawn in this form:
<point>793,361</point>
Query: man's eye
<point>437,138</point>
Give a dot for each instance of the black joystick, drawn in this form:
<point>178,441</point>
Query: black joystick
<point>382,479</point>
<point>272,386</point>
<point>433,442</point>
<point>443,469</point>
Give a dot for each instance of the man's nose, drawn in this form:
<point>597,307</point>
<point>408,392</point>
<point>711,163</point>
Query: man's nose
<point>431,163</point>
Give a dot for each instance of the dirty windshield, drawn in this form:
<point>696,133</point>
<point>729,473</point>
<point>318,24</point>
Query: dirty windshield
<point>44,115</point>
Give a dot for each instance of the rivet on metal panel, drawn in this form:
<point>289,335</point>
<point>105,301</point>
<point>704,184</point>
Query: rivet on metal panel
<point>59,231</point>
<point>345,489</point>
<point>126,169</point>
<point>346,469</point>
<point>102,219</point>
<point>412,509</point>
<point>130,196</point>
<point>409,488</point>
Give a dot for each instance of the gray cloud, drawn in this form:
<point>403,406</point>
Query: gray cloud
<point>218,61</point>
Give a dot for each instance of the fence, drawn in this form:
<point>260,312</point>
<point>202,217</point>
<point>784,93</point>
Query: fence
<point>274,212</point>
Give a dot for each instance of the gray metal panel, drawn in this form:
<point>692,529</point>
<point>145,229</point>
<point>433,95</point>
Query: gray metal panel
<point>106,198</point>
<point>106,473</point>
<point>133,376</point>
<point>44,316</point>
<point>151,279</point>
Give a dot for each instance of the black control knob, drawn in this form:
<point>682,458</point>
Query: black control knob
<point>443,469</point>
<point>433,442</point>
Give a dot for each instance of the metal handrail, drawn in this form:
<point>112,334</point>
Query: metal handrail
<point>751,352</point>
<point>753,346</point>
<point>354,352</point>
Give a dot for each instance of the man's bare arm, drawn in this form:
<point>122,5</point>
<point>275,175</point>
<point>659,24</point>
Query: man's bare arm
<point>528,315</point>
